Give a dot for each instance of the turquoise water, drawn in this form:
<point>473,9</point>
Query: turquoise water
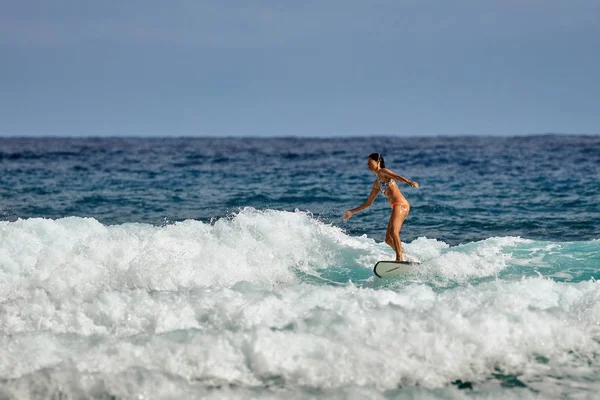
<point>155,268</point>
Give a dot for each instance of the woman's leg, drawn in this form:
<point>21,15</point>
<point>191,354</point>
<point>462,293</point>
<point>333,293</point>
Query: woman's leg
<point>388,234</point>
<point>399,213</point>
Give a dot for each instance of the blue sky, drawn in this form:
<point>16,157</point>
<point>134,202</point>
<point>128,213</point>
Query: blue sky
<point>302,68</point>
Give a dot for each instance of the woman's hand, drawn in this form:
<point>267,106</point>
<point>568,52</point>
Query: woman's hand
<point>414,184</point>
<point>347,214</point>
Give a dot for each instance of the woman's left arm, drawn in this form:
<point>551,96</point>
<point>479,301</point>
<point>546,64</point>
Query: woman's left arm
<point>392,175</point>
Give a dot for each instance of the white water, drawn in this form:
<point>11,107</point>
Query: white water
<point>80,255</point>
<point>222,310</point>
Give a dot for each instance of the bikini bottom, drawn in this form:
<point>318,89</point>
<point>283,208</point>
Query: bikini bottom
<point>399,203</point>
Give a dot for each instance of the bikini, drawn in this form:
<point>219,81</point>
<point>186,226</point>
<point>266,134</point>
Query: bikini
<point>383,187</point>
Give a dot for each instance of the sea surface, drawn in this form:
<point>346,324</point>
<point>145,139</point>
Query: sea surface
<point>221,268</point>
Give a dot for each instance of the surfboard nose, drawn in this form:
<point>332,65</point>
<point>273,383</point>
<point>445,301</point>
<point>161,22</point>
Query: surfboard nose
<point>386,269</point>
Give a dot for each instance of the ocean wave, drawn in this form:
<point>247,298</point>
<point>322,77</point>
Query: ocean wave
<point>268,247</point>
<point>276,302</point>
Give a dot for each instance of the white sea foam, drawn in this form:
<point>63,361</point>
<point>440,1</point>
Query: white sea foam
<point>461,263</point>
<point>310,336</point>
<point>80,255</point>
<point>180,310</point>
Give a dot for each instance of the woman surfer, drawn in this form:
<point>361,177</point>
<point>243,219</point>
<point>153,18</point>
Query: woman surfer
<point>385,183</point>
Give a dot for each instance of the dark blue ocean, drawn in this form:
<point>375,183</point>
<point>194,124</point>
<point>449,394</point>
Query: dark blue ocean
<point>221,268</point>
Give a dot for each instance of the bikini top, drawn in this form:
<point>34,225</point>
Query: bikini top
<point>383,186</point>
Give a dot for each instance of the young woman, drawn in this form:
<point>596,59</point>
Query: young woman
<point>385,183</point>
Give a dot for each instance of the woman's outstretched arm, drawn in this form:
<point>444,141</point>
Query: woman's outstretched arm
<point>392,175</point>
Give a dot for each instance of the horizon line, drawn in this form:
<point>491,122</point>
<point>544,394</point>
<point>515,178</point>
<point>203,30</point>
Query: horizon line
<point>351,136</point>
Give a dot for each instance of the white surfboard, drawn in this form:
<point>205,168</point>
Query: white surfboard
<point>387,269</point>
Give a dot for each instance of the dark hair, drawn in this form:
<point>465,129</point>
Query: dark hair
<point>379,158</point>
